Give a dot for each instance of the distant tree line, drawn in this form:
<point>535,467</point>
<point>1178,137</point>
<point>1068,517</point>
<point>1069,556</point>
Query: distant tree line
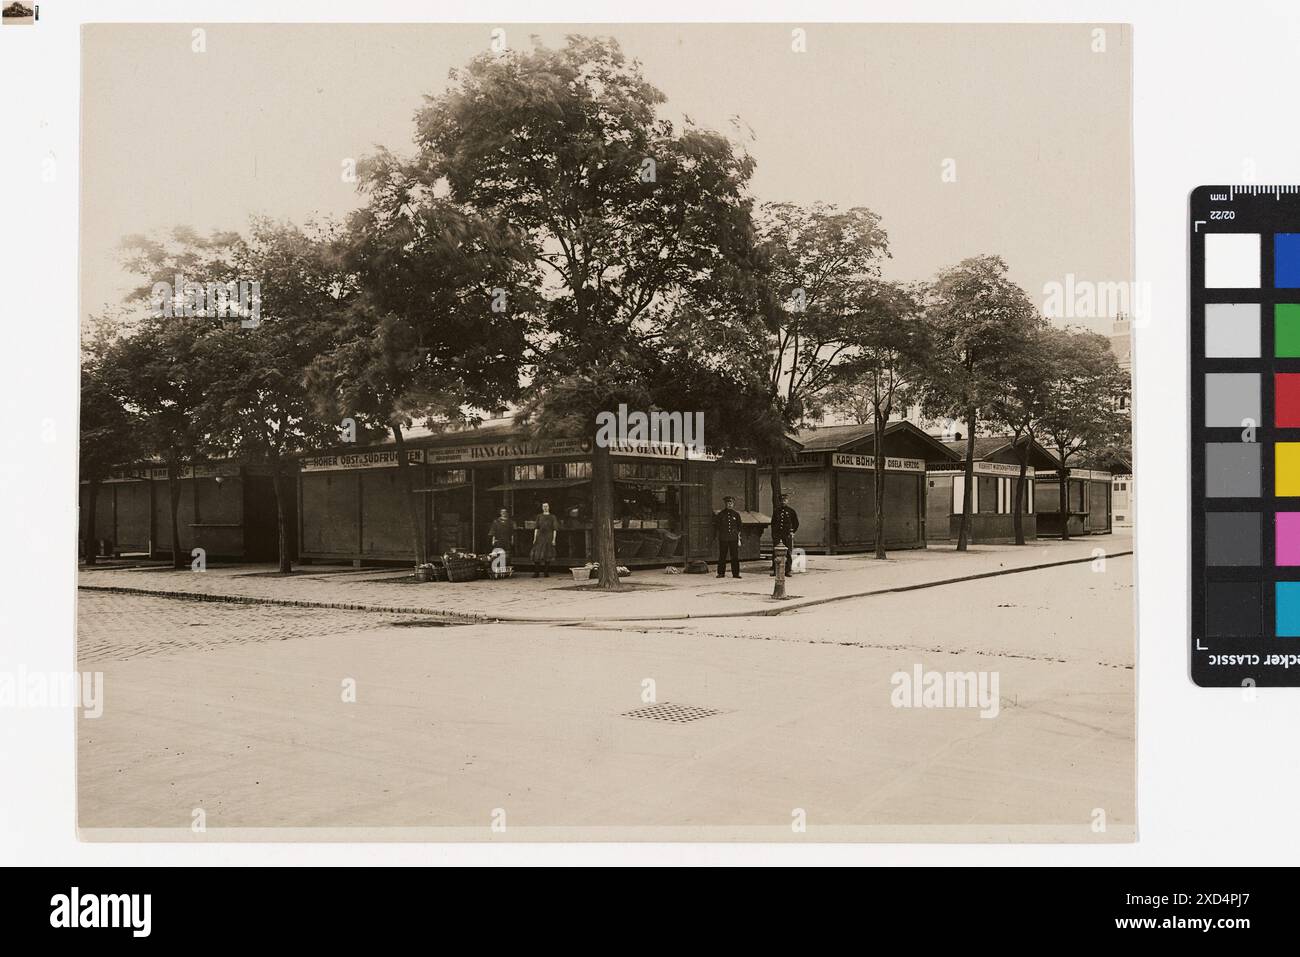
<point>554,244</point>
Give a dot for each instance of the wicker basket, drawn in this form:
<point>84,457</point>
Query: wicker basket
<point>461,569</point>
<point>497,574</point>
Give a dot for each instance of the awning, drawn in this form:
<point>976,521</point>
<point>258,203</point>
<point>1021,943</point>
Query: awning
<point>538,484</point>
<point>444,487</point>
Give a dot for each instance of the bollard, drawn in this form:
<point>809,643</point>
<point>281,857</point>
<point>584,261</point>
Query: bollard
<point>778,556</point>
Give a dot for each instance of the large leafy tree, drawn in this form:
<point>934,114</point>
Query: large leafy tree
<point>244,372</point>
<point>1088,410</point>
<point>619,213</point>
<point>891,355</point>
<point>978,319</point>
<point>432,333</point>
<point>820,293</point>
<point>1022,405</point>
<point>109,432</point>
<point>162,374</point>
<point>257,406</point>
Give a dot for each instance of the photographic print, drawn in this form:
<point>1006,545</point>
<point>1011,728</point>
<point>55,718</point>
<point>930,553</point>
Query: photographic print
<point>606,432</point>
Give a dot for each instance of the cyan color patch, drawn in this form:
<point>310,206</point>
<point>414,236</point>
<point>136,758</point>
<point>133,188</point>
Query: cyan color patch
<point>1288,609</point>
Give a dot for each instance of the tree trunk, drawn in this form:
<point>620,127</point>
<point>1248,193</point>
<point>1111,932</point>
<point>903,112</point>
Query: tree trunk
<point>775,480</point>
<point>279,482</point>
<point>174,504</point>
<point>1018,522</point>
<point>879,490</point>
<point>408,486</point>
<point>602,516</point>
<point>89,543</point>
<point>1063,485</point>
<point>968,480</point>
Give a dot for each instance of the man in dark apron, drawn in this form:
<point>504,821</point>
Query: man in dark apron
<point>502,533</point>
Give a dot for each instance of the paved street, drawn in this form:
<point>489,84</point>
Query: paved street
<point>239,710</point>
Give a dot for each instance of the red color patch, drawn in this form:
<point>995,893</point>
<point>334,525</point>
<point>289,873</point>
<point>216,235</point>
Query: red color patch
<point>1286,400</point>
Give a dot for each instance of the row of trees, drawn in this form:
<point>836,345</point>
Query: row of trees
<point>554,244</point>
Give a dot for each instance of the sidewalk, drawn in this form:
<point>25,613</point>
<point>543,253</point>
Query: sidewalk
<point>650,595</point>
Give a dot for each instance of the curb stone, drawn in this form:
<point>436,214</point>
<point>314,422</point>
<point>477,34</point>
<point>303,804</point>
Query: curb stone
<point>476,618</point>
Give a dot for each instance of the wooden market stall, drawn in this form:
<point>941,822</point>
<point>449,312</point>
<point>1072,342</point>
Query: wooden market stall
<point>996,471</point>
<point>665,497</point>
<point>831,482</point>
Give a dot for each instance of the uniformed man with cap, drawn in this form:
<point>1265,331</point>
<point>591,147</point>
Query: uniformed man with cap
<point>785,522</point>
<point>726,525</point>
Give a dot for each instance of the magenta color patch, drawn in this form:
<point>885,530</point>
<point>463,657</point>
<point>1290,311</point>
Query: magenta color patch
<point>1288,538</point>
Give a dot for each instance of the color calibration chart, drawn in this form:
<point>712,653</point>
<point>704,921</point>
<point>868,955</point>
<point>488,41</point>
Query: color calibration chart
<point>1245,435</point>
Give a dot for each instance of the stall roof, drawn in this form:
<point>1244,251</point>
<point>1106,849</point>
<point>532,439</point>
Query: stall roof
<point>987,446</point>
<point>838,438</point>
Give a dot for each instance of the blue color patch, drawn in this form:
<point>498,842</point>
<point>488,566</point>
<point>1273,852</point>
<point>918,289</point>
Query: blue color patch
<point>1286,261</point>
<point>1288,609</point>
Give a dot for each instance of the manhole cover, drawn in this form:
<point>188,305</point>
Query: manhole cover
<point>667,711</point>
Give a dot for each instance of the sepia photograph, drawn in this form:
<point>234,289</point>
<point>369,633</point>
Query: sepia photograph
<point>606,432</point>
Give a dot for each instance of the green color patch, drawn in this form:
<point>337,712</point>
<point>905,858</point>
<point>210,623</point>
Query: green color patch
<point>1286,330</point>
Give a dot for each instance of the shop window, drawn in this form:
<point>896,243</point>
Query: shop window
<point>638,506</point>
<point>647,471</point>
<point>987,496</point>
<point>551,470</point>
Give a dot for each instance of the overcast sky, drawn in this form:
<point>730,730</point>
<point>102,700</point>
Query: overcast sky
<point>1037,123</point>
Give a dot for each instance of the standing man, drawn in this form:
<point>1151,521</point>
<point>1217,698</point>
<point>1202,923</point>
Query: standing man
<point>726,525</point>
<point>502,532</point>
<point>785,522</point>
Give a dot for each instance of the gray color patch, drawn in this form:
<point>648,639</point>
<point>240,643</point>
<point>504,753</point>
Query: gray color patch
<point>1232,330</point>
<point>1232,538</point>
<point>1232,469</point>
<point>1231,398</point>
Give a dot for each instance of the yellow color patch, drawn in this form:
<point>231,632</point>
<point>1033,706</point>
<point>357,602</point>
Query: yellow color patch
<point>1286,468</point>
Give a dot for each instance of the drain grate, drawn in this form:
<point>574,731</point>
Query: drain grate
<point>668,711</point>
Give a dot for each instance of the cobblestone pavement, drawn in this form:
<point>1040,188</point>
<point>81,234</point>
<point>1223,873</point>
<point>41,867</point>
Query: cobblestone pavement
<point>117,627</point>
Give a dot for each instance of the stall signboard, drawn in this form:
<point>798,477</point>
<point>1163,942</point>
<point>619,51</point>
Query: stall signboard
<point>804,458</point>
<point>197,471</point>
<point>128,475</point>
<point>1080,474</point>
<point>1001,469</point>
<point>359,460</point>
<point>847,460</point>
<point>552,448</point>
<point>506,451</point>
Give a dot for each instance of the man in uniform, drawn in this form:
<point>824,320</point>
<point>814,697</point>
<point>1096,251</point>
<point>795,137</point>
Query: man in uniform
<point>726,525</point>
<point>784,524</point>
